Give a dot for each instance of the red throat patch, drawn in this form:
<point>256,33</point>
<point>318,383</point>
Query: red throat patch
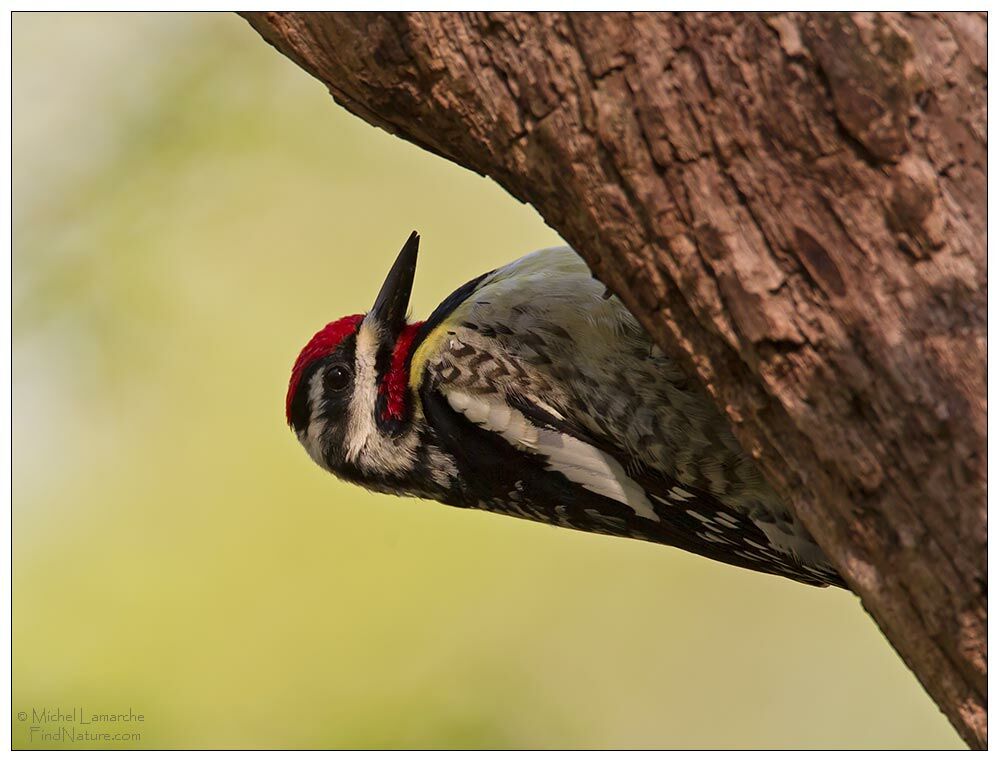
<point>323,343</point>
<point>393,384</point>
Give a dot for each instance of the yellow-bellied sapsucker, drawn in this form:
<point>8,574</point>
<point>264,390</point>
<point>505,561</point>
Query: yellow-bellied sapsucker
<point>530,392</point>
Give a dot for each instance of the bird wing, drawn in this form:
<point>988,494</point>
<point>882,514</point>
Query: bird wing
<point>532,371</point>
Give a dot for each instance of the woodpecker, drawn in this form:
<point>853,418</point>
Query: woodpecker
<point>532,392</point>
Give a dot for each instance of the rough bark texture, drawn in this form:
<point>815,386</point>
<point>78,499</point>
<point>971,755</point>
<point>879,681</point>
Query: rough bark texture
<point>794,205</point>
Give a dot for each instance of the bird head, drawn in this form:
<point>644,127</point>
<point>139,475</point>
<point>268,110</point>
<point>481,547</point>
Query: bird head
<point>348,399</point>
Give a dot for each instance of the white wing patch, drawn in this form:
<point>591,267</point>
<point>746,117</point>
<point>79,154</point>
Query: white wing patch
<point>584,464</point>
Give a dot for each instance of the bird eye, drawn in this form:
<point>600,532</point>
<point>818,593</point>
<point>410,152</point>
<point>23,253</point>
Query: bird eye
<point>338,377</point>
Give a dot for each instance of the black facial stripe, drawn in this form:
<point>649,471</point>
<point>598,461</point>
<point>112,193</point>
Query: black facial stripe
<point>383,359</point>
<point>300,402</point>
<point>336,401</point>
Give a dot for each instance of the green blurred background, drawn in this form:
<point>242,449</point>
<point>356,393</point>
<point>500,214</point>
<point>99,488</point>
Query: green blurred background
<point>189,207</point>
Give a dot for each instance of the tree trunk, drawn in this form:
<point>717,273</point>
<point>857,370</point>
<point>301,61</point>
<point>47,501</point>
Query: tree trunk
<point>794,206</point>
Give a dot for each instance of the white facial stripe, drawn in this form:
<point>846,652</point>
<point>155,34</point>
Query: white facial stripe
<point>584,464</point>
<point>361,419</point>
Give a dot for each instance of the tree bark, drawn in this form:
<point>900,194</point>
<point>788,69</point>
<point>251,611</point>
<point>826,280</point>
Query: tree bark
<point>794,206</point>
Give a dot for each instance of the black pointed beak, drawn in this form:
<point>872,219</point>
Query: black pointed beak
<point>393,299</point>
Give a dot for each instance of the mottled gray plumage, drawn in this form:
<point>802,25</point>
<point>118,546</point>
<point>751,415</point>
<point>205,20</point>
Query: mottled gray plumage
<point>542,328</point>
